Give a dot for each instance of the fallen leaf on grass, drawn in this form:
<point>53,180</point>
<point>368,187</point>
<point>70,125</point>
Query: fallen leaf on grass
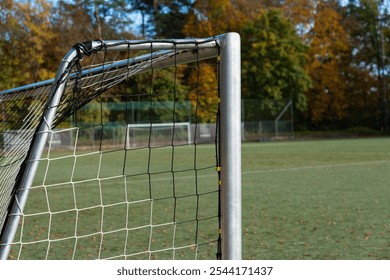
<point>368,235</point>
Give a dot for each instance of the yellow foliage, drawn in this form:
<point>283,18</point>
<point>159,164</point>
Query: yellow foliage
<point>204,94</point>
<point>328,46</point>
<point>219,16</point>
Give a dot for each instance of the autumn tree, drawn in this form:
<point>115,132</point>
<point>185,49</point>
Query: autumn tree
<point>343,46</point>
<point>208,18</point>
<point>327,99</point>
<point>301,14</point>
<point>26,36</point>
<point>9,37</point>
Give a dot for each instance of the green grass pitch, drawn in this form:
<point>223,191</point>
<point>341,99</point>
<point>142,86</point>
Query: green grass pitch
<point>301,200</point>
<point>317,200</point>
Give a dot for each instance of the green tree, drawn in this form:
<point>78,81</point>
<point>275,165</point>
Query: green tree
<point>170,17</point>
<point>368,23</point>
<point>146,8</point>
<point>273,61</point>
<point>273,56</point>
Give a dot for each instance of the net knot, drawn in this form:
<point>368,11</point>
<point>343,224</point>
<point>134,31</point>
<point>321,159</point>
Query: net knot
<point>86,48</point>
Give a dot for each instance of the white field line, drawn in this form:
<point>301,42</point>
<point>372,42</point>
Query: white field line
<point>287,169</point>
<point>335,165</point>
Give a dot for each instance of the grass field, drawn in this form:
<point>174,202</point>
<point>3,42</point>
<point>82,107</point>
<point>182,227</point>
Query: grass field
<point>317,200</point>
<point>301,200</point>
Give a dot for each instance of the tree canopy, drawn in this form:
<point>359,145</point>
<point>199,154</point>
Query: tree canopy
<point>332,58</point>
<point>273,62</point>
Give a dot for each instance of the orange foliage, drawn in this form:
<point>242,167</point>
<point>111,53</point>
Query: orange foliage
<point>329,45</point>
<point>210,18</point>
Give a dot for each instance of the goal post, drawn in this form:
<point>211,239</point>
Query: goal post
<point>231,146</point>
<point>51,103</point>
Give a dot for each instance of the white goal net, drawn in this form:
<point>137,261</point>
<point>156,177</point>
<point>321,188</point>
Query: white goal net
<point>86,173</point>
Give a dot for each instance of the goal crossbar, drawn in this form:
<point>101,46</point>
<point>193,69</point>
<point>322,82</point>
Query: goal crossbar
<point>166,53</point>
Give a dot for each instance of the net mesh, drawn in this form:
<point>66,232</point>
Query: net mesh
<point>94,196</point>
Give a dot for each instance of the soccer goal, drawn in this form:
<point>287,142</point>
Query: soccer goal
<point>158,134</point>
<point>86,173</point>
